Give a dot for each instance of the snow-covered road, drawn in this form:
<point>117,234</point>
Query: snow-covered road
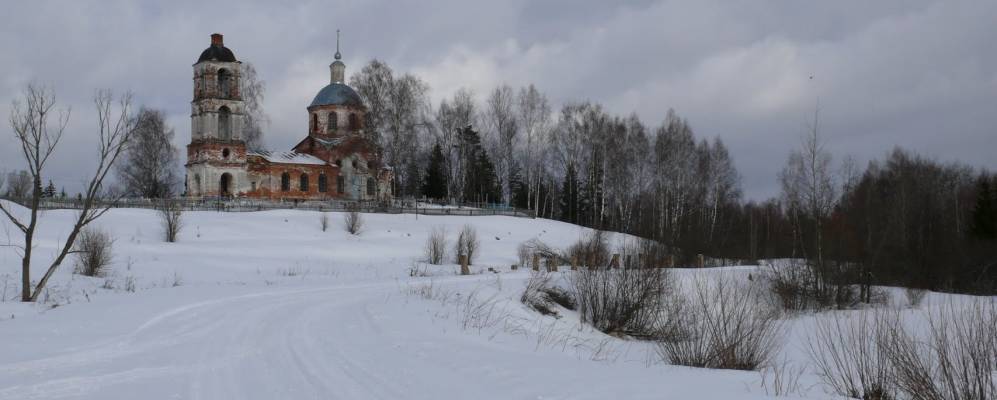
<point>267,306</point>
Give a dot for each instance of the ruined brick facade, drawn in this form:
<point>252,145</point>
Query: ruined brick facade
<point>335,160</point>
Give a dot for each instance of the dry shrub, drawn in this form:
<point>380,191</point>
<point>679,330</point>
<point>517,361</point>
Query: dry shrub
<point>436,246</point>
<point>536,246</point>
<point>533,295</point>
<point>467,244</point>
<point>171,216</point>
<point>591,250</point>
<point>353,221</point>
<point>954,358</point>
<point>622,301</point>
<point>540,295</point>
<point>93,249</point>
<point>847,354</point>
<point>915,296</point>
<point>726,324</point>
<point>801,287</point>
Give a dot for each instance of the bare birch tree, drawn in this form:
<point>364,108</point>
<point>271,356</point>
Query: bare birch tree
<point>502,133</point>
<point>30,121</point>
<point>534,115</point>
<point>255,119</point>
<point>148,167</point>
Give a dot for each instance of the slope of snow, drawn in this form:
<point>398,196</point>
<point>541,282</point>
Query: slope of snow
<point>265,305</point>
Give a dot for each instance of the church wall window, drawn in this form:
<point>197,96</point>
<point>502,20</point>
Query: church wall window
<point>315,123</point>
<point>322,183</point>
<point>224,123</point>
<point>303,184</point>
<point>340,185</point>
<point>224,84</point>
<point>333,122</point>
<point>285,182</point>
<point>354,122</point>
<point>371,186</point>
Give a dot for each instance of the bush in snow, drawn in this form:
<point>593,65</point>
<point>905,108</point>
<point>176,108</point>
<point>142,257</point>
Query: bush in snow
<point>540,295</point>
<point>171,216</point>
<point>622,301</point>
<point>467,244</point>
<point>848,354</point>
<point>915,296</point>
<point>436,246</point>
<point>93,250</point>
<point>725,324</point>
<point>353,221</point>
<point>592,250</point>
<point>955,357</point>
<point>323,221</point>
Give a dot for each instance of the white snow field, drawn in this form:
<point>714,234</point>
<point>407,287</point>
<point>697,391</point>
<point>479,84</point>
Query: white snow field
<point>265,305</point>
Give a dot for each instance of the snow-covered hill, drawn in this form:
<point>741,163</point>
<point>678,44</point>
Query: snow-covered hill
<point>268,306</point>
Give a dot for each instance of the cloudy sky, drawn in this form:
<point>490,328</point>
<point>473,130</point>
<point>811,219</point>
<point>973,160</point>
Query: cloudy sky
<point>915,73</point>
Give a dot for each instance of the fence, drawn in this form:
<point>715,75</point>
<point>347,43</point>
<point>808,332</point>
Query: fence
<point>399,206</point>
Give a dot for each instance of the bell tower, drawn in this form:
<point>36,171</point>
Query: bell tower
<point>216,155</point>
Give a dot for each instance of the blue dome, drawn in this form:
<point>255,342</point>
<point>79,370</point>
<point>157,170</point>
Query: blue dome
<point>337,94</point>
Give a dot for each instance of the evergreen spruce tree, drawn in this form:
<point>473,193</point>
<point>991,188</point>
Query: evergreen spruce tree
<point>569,201</point>
<point>49,191</point>
<point>985,212</point>
<point>434,184</point>
<point>62,193</point>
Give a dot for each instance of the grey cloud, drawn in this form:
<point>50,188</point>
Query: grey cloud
<point>921,73</point>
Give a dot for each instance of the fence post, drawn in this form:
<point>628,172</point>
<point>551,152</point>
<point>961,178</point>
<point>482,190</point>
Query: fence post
<point>464,270</point>
<point>615,262</point>
<point>699,260</point>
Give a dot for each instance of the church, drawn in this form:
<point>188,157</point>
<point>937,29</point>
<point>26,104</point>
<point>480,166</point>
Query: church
<point>336,160</point>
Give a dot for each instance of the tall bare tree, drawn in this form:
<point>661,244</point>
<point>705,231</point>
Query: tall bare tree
<point>808,186</point>
<point>452,118</point>
<point>148,167</point>
<point>534,116</point>
<point>255,119</point>
<point>503,135</point>
<point>29,119</point>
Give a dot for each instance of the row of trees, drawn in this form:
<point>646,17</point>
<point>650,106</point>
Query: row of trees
<point>905,220</point>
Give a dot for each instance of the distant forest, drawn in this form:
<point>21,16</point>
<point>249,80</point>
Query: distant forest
<point>906,219</point>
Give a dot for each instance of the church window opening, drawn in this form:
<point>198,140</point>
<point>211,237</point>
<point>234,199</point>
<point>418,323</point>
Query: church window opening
<point>354,122</point>
<point>225,153</point>
<point>303,184</point>
<point>340,185</point>
<point>225,186</point>
<point>371,186</point>
<point>224,83</point>
<point>333,123</point>
<point>224,123</point>
<point>285,182</point>
<point>322,183</point>
<point>339,163</point>
<point>315,123</point>
<point>354,164</point>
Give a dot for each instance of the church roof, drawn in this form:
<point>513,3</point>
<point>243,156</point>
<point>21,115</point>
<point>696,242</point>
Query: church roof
<point>217,52</point>
<point>338,94</point>
<point>288,157</point>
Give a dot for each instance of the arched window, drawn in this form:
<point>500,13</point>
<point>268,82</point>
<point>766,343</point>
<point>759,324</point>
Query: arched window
<point>197,184</point>
<point>333,123</point>
<point>303,184</point>
<point>224,83</point>
<point>315,123</point>
<point>224,123</point>
<point>225,153</point>
<point>340,184</point>
<point>323,184</point>
<point>285,182</point>
<point>371,186</point>
<point>354,122</point>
